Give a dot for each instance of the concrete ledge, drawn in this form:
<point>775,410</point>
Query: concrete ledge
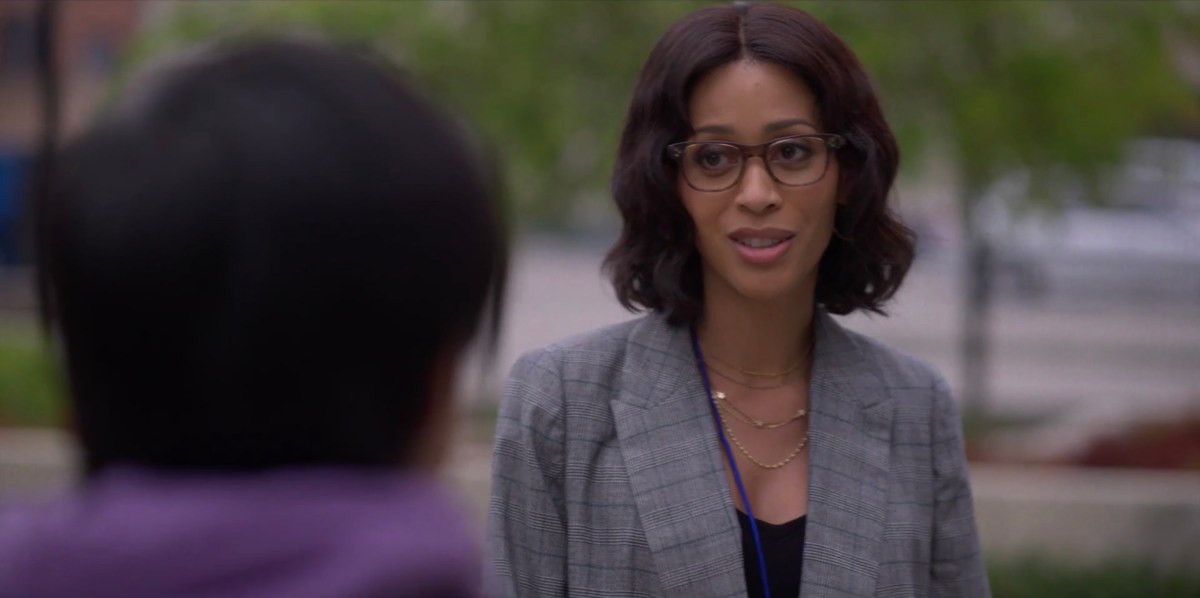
<point>1077,515</point>
<point>35,461</point>
<point>1090,515</point>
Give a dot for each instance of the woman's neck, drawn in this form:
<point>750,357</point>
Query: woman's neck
<point>764,336</point>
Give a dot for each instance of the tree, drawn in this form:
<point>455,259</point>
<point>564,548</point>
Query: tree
<point>1055,90</point>
<point>1051,89</point>
<point>547,82</point>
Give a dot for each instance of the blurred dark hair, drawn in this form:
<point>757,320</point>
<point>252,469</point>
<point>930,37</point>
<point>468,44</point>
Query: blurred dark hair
<point>256,256</point>
<point>654,264</point>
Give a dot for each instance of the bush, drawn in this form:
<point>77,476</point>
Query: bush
<point>1041,578</point>
<point>31,390</point>
<point>1167,444</point>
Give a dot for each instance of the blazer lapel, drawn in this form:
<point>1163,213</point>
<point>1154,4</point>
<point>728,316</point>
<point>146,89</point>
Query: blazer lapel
<point>673,459</point>
<point>850,428</point>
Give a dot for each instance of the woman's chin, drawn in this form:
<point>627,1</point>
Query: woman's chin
<point>759,285</point>
<point>769,290</point>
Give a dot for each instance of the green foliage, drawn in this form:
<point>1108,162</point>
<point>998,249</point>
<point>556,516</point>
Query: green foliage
<point>31,392</point>
<point>1040,578</point>
<point>547,82</point>
<point>1045,87</point>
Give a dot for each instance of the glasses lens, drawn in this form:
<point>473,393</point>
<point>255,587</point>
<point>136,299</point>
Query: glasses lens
<point>798,160</point>
<point>711,166</point>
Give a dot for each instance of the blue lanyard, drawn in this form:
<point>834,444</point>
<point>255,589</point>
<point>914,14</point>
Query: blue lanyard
<point>737,475</point>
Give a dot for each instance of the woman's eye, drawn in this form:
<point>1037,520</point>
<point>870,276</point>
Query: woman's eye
<point>792,151</point>
<point>712,158</point>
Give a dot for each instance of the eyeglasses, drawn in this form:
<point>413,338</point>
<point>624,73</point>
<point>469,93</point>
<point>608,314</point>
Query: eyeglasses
<point>794,161</point>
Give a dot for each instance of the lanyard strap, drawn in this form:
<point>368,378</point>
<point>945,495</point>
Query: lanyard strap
<point>737,475</point>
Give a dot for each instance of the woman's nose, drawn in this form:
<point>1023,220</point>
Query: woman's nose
<point>757,191</point>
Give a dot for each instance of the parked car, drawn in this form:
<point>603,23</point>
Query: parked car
<point>1143,242</point>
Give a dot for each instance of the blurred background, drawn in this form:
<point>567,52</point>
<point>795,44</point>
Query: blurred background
<point>1051,165</point>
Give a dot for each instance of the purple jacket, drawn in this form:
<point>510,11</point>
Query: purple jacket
<point>295,533</point>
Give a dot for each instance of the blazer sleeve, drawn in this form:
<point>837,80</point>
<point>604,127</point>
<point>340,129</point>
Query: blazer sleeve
<point>527,530</point>
<point>957,562</point>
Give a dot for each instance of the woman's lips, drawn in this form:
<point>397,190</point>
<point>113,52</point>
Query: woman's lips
<point>761,247</point>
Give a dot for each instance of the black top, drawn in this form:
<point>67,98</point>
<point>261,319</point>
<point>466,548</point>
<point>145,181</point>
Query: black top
<point>783,547</point>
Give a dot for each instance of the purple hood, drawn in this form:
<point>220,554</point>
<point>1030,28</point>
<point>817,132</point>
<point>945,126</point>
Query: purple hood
<point>295,534</point>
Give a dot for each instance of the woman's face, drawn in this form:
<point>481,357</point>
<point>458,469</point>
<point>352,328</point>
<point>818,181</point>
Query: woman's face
<point>759,239</point>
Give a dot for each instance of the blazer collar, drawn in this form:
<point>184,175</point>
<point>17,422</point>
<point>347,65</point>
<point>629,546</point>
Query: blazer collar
<point>661,361</point>
<point>850,432</point>
<point>676,465</point>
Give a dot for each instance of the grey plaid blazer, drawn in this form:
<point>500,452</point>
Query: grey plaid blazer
<point>608,476</point>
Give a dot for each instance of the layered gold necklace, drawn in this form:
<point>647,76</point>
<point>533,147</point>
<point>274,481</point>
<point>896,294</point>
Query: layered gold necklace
<point>726,408</point>
<point>791,369</point>
<point>722,404</point>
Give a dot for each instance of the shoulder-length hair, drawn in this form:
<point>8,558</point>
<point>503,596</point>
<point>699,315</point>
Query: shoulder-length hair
<point>654,264</point>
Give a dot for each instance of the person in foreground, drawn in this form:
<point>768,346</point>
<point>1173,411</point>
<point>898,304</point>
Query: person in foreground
<point>264,261</point>
<point>737,440</point>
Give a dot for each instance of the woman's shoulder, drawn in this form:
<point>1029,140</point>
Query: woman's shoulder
<point>600,350</point>
<point>895,367</point>
<point>583,373</point>
<point>918,391</point>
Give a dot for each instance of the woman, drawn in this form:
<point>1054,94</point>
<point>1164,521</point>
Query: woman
<point>736,440</point>
<point>261,312</point>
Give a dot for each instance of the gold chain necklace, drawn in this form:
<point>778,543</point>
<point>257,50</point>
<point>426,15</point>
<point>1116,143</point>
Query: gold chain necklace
<point>729,431</point>
<point>719,397</point>
<point>794,367</point>
<point>714,369</point>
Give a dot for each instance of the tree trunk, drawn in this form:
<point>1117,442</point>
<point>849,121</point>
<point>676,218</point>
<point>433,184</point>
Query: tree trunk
<point>976,316</point>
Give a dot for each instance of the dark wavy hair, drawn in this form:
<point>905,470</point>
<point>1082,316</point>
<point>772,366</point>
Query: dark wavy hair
<point>654,264</point>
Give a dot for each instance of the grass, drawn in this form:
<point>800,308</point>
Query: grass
<point>1033,577</point>
<point>31,390</point>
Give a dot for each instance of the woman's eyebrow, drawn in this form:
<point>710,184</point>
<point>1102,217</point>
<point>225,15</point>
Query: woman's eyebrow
<point>780,125</point>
